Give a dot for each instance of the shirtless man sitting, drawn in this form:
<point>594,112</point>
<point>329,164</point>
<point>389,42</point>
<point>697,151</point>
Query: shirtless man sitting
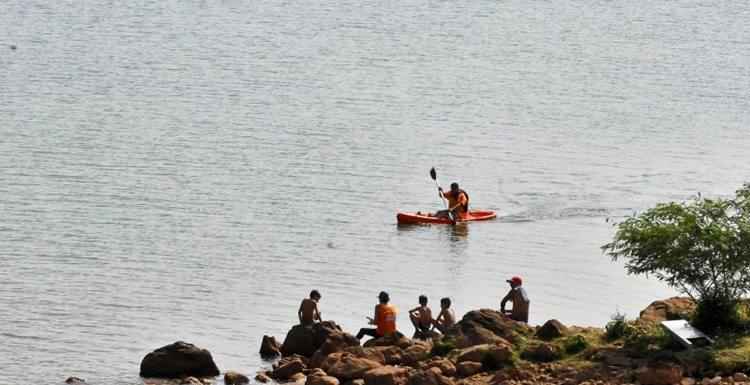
<point>421,318</point>
<point>446,318</point>
<point>308,311</point>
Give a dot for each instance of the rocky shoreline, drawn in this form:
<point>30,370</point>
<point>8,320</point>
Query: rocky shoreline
<point>483,348</point>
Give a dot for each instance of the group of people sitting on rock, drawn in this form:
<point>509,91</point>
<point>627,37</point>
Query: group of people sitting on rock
<point>384,317</point>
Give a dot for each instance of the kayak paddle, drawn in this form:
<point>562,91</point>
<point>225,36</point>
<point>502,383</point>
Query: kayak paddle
<point>433,175</point>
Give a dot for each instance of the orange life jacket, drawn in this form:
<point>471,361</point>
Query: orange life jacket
<point>385,319</point>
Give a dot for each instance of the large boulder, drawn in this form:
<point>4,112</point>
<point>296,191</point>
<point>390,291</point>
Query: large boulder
<point>491,355</point>
<point>347,366</point>
<point>178,360</point>
<point>661,373</point>
<point>305,340</point>
<point>386,375</point>
<point>551,329</point>
<point>668,309</point>
<point>486,326</point>
<point>269,348</point>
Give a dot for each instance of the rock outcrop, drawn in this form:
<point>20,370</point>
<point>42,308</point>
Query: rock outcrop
<point>305,340</point>
<point>269,348</point>
<point>347,366</point>
<point>178,360</point>
<point>486,326</point>
<point>668,309</point>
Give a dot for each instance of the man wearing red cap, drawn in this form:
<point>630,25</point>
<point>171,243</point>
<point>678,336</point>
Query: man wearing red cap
<point>520,299</point>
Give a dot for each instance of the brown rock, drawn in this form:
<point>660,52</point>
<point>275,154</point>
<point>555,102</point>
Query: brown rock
<point>486,326</point>
<point>322,380</point>
<point>234,378</point>
<point>288,369</point>
<point>262,377</point>
<point>178,360</point>
<point>429,377</point>
<point>668,309</point>
<point>337,342</point>
<point>551,329</point>
<point>415,353</point>
<point>395,339</point>
<point>356,381</point>
<point>375,353</point>
<point>346,366</point>
<point>393,354</point>
<point>386,375</point>
<point>543,352</point>
<point>499,354</point>
<point>740,377</point>
<point>468,368</point>
<point>269,347</point>
<point>660,373</point>
<point>446,366</point>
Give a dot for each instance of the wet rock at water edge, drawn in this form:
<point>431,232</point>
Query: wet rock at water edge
<point>179,360</point>
<point>234,378</point>
<point>270,348</point>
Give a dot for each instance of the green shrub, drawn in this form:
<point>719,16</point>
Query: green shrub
<point>443,347</point>
<point>642,338</point>
<point>575,344</point>
<point>616,328</point>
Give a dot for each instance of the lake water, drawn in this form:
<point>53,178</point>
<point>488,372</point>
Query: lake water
<point>189,170</point>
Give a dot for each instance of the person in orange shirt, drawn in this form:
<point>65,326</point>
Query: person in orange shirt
<point>384,319</point>
<point>458,202</point>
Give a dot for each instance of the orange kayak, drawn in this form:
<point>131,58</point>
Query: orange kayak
<point>415,218</point>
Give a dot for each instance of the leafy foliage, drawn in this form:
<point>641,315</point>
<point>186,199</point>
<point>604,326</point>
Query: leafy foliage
<point>616,328</point>
<point>700,247</point>
<point>575,344</point>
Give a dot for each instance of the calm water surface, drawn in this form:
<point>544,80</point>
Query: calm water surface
<point>190,170</point>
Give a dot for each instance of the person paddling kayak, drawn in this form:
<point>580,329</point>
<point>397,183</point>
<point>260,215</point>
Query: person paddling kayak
<point>458,202</point>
